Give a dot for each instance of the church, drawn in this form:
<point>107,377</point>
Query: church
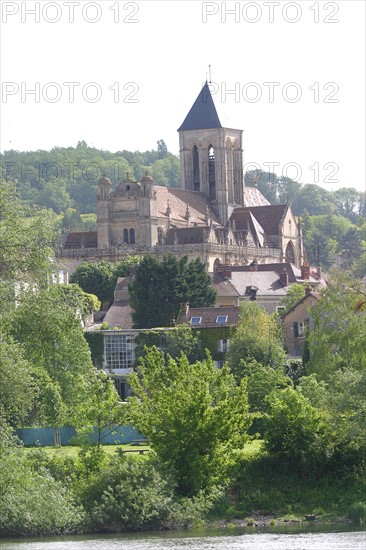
<point>213,215</point>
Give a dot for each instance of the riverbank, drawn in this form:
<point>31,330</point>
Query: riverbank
<point>90,491</point>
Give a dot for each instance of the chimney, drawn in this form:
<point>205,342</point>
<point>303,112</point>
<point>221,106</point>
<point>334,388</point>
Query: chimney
<point>305,271</point>
<point>184,307</point>
<point>253,266</point>
<point>284,277</point>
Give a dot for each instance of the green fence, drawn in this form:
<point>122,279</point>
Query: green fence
<point>45,437</point>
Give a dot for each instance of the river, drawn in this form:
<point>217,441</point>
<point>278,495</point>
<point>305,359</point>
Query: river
<point>331,538</point>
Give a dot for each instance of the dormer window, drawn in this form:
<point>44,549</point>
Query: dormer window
<point>196,320</point>
<point>221,319</point>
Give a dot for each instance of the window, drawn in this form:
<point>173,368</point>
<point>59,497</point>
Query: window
<point>224,345</point>
<point>125,235</point>
<point>119,351</point>
<point>132,236</point>
<point>221,319</point>
<point>298,330</point>
<point>196,320</point>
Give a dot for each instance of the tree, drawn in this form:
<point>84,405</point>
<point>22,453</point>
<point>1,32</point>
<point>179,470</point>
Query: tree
<point>194,415</point>
<point>53,342</point>
<point>26,243</point>
<point>17,389</point>
<point>258,337</point>
<point>337,339</point>
<point>173,342</point>
<point>296,431</point>
<point>158,289</point>
<point>162,149</point>
<point>295,293</point>
<point>100,278</point>
<point>101,411</point>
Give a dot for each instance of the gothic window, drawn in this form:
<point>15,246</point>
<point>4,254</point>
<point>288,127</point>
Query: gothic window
<point>125,235</point>
<point>196,169</point>
<point>160,235</point>
<point>290,253</point>
<point>132,236</point>
<point>211,173</point>
<point>229,171</point>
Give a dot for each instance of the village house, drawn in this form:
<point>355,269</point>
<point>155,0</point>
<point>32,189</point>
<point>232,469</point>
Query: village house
<point>295,322</point>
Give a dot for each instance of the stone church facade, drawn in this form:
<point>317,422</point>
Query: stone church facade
<point>212,215</point>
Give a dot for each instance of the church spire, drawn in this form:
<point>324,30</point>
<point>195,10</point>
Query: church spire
<point>203,114</point>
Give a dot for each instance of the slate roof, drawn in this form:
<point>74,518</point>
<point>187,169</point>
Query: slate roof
<point>203,114</point>
<point>119,315</point>
<point>222,285</point>
<point>185,235</point>
<point>209,316</point>
<point>294,273</point>
<point>81,239</point>
<point>178,201</point>
<point>267,283</point>
<point>269,217</point>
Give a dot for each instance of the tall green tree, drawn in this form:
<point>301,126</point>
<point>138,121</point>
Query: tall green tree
<point>194,415</point>
<point>47,326</point>
<point>259,338</point>
<point>337,340</point>
<point>100,278</point>
<point>158,289</point>
<point>26,244</point>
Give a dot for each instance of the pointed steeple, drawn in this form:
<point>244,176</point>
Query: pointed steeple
<point>203,114</point>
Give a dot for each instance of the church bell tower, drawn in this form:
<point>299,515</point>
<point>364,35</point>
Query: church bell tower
<point>211,157</point>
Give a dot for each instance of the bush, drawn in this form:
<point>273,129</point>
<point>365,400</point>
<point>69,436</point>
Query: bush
<point>33,502</point>
<point>357,511</point>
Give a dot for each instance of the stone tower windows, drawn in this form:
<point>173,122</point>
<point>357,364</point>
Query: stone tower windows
<point>129,236</point>
<point>196,169</point>
<point>211,173</point>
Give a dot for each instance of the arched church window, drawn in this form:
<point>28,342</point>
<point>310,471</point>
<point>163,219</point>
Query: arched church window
<point>125,235</point>
<point>211,173</point>
<point>196,169</point>
<point>217,263</point>
<point>160,235</point>
<point>132,236</point>
<point>290,253</point>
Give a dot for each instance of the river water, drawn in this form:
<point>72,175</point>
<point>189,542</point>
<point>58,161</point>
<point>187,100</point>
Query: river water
<point>232,539</point>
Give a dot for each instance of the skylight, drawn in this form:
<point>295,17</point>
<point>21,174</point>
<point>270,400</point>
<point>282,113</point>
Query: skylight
<point>221,319</point>
<point>196,320</point>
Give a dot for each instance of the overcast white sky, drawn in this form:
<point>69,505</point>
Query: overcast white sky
<point>137,67</point>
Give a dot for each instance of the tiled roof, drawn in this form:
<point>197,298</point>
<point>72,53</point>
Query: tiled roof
<point>203,114</point>
<point>178,199</point>
<point>210,314</point>
<point>119,315</point>
<point>81,239</point>
<point>253,197</point>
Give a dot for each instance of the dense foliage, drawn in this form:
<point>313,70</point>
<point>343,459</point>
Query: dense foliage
<point>65,178</point>
<point>100,278</point>
<point>159,288</point>
<point>194,415</point>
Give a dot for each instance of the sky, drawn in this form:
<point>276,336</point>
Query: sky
<point>123,75</point>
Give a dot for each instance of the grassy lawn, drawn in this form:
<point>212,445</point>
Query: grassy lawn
<point>71,451</point>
